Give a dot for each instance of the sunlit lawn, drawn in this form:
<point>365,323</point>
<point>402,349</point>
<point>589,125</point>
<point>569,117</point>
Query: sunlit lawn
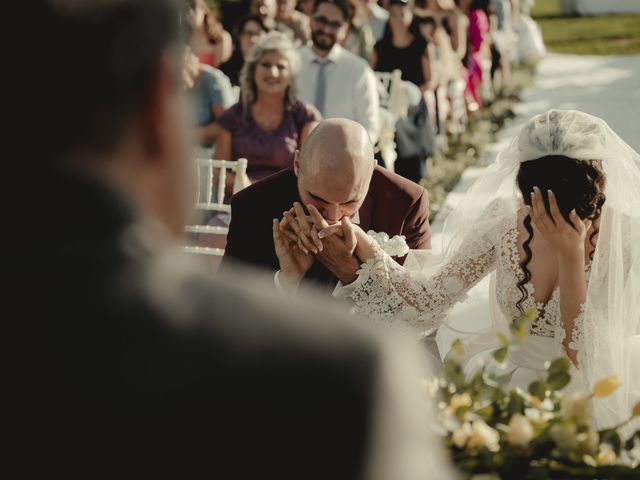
<point>611,35</point>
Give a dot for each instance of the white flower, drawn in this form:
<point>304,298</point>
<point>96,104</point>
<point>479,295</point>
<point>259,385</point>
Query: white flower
<point>394,247</point>
<point>431,386</point>
<point>631,458</point>
<point>578,407</point>
<point>482,435</point>
<point>461,435</point>
<point>606,455</point>
<point>565,437</point>
<point>588,442</point>
<point>460,400</point>
<point>537,415</point>
<point>520,431</point>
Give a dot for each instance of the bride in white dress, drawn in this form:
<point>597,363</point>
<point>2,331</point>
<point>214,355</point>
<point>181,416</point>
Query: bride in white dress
<point>556,222</point>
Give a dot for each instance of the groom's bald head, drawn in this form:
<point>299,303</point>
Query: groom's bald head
<point>334,167</point>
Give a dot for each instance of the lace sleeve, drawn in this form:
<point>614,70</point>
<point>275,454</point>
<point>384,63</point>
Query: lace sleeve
<point>388,294</point>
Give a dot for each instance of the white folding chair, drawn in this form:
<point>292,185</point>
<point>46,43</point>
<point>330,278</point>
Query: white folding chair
<point>206,169</point>
<point>394,104</point>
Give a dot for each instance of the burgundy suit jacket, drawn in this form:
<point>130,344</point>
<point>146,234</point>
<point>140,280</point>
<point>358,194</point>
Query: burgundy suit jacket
<point>393,205</point>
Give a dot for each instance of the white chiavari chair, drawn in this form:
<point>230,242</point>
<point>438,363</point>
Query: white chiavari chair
<point>209,200</point>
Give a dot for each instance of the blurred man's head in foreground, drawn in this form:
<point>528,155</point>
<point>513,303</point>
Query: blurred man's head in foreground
<point>115,108</point>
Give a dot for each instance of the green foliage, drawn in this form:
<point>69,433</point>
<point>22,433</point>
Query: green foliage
<point>529,435</point>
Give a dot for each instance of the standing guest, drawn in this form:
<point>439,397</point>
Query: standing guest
<point>376,16</point>
<point>269,123</point>
<point>297,21</point>
<point>339,83</point>
<point>152,369</point>
<point>249,31</point>
<point>359,39</point>
<point>210,42</point>
<point>478,48</point>
<point>450,17</point>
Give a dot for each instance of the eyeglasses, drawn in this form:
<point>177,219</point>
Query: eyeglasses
<point>325,22</point>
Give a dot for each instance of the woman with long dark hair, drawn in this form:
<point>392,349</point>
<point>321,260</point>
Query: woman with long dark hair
<point>555,221</point>
<point>402,47</point>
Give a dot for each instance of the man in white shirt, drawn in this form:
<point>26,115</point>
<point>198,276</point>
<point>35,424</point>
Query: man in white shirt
<point>338,82</point>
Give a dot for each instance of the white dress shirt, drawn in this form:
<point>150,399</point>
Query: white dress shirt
<point>351,87</point>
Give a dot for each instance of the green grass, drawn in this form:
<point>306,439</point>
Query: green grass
<point>610,35</point>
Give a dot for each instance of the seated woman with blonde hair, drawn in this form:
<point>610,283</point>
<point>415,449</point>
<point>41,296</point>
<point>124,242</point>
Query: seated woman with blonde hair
<point>269,123</point>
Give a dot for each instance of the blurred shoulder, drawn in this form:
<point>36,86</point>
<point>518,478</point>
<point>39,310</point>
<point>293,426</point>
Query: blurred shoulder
<point>354,62</point>
<point>213,74</point>
<point>243,312</point>
<point>306,112</point>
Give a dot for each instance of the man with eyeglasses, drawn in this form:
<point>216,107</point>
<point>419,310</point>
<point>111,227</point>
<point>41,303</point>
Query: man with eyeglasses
<point>339,83</point>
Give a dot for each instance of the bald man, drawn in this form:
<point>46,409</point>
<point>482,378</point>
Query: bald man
<point>335,172</point>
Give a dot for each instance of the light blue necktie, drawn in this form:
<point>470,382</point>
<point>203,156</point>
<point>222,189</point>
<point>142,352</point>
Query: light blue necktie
<point>321,85</point>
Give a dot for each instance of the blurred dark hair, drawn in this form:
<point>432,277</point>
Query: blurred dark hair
<point>481,4</point>
<point>343,5</point>
<point>99,57</point>
<point>576,184</point>
<point>239,27</point>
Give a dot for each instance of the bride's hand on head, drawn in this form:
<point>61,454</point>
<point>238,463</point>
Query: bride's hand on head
<point>567,236</point>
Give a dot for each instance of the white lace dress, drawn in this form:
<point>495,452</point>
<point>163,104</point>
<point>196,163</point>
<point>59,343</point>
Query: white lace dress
<point>393,297</point>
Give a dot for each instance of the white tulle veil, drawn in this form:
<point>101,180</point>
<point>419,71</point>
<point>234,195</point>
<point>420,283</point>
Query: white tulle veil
<point>612,313</point>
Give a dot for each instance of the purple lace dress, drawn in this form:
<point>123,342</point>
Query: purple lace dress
<point>266,151</point>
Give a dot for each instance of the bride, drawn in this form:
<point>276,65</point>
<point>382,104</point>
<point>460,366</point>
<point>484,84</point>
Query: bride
<point>555,221</point>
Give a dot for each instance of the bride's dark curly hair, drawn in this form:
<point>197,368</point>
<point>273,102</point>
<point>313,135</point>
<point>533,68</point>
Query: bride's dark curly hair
<point>576,184</point>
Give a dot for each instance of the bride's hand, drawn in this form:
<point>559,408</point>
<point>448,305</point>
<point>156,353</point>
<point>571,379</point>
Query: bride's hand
<point>354,237</point>
<point>567,236</point>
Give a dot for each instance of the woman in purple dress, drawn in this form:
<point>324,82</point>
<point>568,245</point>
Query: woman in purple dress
<point>269,123</point>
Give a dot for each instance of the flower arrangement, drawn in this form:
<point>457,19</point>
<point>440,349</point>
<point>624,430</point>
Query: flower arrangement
<point>493,432</point>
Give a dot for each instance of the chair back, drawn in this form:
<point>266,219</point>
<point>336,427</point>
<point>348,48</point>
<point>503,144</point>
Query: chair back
<point>212,181</point>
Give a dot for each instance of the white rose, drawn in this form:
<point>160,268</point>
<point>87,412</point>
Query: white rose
<point>460,400</point>
<point>577,407</point>
<point>565,437</point>
<point>482,435</point>
<point>461,435</point>
<point>588,442</point>
<point>606,455</point>
<point>520,431</point>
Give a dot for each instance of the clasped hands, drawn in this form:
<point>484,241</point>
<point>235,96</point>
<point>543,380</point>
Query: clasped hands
<point>300,239</point>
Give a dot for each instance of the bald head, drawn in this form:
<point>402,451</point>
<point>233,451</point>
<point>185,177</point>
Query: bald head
<point>335,166</point>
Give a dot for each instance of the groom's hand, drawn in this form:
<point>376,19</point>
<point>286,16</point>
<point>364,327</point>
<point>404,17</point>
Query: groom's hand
<point>294,263</point>
<point>337,250</point>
